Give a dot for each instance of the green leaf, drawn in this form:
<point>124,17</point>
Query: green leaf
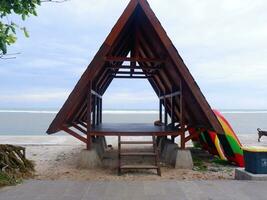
<point>34,13</point>
<point>7,30</point>
<point>23,16</point>
<point>13,29</point>
<point>20,8</point>
<point>3,47</point>
<point>11,39</point>
<point>25,32</point>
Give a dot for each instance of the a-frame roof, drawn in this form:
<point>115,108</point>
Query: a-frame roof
<point>139,32</point>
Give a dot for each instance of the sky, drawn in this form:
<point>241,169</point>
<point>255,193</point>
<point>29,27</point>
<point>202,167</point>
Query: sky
<point>222,42</point>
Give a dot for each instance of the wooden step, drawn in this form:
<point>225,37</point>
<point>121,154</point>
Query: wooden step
<point>136,142</point>
<point>138,154</point>
<point>139,167</point>
<point>123,155</point>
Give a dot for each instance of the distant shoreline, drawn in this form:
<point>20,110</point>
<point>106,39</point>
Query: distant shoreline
<point>65,139</point>
<point>238,111</point>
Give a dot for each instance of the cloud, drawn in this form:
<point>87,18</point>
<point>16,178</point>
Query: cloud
<point>223,44</point>
<point>34,96</point>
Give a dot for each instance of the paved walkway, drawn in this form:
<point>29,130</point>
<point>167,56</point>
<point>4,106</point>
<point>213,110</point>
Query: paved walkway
<point>169,190</point>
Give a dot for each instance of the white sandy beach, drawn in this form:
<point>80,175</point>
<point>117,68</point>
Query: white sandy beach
<point>55,158</point>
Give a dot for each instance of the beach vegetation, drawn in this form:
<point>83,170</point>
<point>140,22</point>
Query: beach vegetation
<point>199,164</point>
<point>8,179</point>
<point>14,166</point>
<point>219,161</point>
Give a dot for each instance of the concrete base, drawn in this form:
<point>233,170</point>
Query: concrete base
<point>171,154</point>
<point>88,159</point>
<point>99,145</point>
<point>241,174</point>
<point>164,146</point>
<point>184,160</point>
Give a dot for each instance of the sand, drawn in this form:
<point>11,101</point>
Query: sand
<point>55,159</point>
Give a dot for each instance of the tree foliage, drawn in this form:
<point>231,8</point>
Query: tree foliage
<point>8,28</point>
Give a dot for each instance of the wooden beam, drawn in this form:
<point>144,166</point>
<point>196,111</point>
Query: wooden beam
<point>112,133</point>
<point>133,73</point>
<point>75,125</point>
<point>106,84</point>
<point>133,77</point>
<point>74,134</point>
<point>160,110</point>
<point>133,59</point>
<point>80,111</point>
<point>98,111</point>
<point>133,63</point>
<point>89,111</point>
<point>154,67</point>
<point>83,124</point>
<point>182,117</point>
<point>172,110</point>
<point>101,111</point>
<point>165,112</point>
<point>94,111</point>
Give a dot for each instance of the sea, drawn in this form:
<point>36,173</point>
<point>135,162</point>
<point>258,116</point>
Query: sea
<point>35,122</point>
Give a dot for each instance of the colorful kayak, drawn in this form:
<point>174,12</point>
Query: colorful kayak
<point>227,146</point>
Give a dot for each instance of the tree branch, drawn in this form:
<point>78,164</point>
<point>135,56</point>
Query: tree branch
<point>8,56</point>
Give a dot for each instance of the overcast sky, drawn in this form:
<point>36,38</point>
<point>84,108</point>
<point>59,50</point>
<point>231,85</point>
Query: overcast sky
<point>223,43</point>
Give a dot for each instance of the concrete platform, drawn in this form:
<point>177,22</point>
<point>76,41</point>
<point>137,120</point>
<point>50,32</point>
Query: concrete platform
<point>173,155</point>
<point>184,159</point>
<point>241,174</point>
<point>88,159</point>
<point>141,190</point>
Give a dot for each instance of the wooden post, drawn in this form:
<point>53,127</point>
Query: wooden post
<point>133,64</point>
<point>101,111</point>
<point>172,110</point>
<point>165,113</point>
<point>89,110</point>
<point>94,110</point>
<point>182,123</point>
<point>97,110</point>
<point>160,110</point>
<point>172,113</point>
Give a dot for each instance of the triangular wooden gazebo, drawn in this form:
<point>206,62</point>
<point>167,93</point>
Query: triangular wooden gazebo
<point>137,33</point>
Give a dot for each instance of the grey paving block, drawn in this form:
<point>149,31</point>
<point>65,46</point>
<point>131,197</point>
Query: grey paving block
<point>242,174</point>
<point>141,190</point>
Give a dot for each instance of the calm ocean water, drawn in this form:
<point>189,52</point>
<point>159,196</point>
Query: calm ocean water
<point>14,122</point>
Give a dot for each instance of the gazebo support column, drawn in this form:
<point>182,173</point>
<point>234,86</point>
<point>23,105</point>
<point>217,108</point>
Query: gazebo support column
<point>165,112</point>
<point>97,110</point>
<point>172,110</point>
<point>160,110</point>
<point>182,123</point>
<point>101,111</point>
<point>172,115</point>
<point>94,110</point>
<point>89,110</point>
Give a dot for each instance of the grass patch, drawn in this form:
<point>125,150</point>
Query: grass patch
<point>199,164</point>
<point>7,180</point>
<point>219,161</point>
